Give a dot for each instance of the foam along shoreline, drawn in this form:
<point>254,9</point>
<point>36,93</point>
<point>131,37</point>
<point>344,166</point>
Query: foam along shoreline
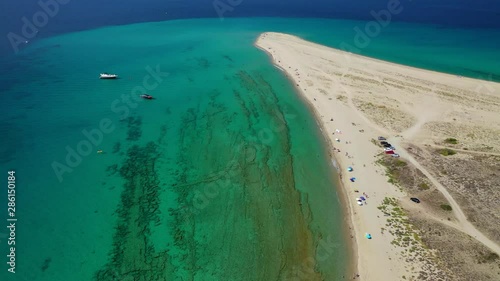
<point>338,86</point>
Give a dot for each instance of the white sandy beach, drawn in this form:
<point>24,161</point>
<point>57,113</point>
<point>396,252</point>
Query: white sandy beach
<point>365,98</point>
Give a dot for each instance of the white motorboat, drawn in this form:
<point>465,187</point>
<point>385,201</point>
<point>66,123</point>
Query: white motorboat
<point>108,76</point>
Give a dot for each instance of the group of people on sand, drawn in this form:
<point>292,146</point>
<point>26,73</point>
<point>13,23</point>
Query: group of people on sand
<point>362,200</point>
<point>337,131</point>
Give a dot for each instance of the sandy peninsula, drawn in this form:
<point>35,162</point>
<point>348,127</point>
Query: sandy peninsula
<point>436,122</point>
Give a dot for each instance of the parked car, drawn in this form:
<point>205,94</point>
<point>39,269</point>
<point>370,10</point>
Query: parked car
<point>414,199</point>
<point>387,145</point>
<point>383,142</point>
<point>381,139</point>
<point>395,155</point>
<point>388,149</point>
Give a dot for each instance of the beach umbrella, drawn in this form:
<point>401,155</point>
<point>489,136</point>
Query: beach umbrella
<point>368,236</point>
<point>349,169</point>
<point>352,179</point>
<point>362,198</point>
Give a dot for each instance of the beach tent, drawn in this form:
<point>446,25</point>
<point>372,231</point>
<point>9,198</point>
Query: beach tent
<point>349,169</point>
<point>352,179</point>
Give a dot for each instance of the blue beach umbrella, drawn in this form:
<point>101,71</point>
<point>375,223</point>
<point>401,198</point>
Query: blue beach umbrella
<point>353,179</point>
<point>368,236</point>
<point>349,169</point>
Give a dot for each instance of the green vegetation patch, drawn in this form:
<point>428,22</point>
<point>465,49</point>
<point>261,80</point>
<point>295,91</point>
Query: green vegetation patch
<point>446,207</point>
<point>488,257</point>
<point>398,225</point>
<point>395,169</point>
<point>447,152</point>
<point>451,141</point>
<point>423,186</point>
<point>400,163</point>
<point>341,98</point>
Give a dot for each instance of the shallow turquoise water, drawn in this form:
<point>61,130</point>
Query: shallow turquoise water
<point>222,177</point>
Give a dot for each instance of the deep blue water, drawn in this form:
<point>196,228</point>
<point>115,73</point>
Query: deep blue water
<point>80,15</point>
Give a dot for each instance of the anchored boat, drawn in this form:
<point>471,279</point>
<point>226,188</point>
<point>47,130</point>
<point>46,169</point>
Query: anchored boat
<point>146,96</point>
<point>108,76</point>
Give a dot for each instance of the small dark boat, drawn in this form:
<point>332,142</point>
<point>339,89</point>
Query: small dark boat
<point>146,96</point>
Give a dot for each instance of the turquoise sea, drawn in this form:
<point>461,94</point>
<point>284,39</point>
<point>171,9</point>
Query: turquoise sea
<point>224,176</point>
